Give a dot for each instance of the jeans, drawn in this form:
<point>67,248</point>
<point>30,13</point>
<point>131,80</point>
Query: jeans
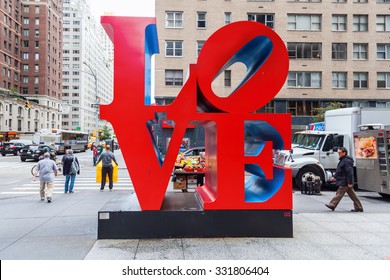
<point>70,177</point>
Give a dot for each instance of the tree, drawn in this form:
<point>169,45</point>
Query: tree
<point>320,112</point>
<point>106,133</point>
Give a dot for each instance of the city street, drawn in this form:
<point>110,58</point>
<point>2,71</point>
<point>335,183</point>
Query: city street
<point>67,228</point>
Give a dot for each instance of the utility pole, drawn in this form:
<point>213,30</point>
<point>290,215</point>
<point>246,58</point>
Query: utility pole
<point>97,100</point>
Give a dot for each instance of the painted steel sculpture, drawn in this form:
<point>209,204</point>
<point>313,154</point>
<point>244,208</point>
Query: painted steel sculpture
<point>237,139</point>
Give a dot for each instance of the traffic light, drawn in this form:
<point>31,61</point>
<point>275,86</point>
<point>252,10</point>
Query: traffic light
<point>27,105</point>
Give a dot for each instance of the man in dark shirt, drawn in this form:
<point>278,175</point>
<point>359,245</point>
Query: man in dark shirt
<point>344,180</point>
<point>106,158</point>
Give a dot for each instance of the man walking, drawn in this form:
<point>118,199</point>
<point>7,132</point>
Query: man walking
<point>70,168</point>
<point>344,180</point>
<point>107,169</point>
<point>47,170</point>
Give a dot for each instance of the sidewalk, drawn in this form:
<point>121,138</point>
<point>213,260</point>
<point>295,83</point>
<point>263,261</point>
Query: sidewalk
<point>68,231</point>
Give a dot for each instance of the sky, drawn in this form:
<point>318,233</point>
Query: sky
<point>123,7</point>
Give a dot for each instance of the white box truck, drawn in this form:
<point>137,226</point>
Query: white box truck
<point>316,153</point>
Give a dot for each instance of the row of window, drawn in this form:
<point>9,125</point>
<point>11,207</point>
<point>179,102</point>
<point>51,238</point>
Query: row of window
<point>303,22</point>
<point>319,1</point>
<point>300,79</point>
<point>301,50</point>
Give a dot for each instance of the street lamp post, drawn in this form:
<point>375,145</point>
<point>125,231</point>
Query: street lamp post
<point>97,100</point>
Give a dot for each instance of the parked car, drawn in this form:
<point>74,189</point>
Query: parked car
<point>35,151</point>
<point>11,148</point>
<point>193,151</point>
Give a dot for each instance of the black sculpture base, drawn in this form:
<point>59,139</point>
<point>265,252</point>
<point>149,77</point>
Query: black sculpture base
<point>182,216</point>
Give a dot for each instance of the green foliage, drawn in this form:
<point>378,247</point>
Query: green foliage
<point>320,112</point>
<point>106,133</point>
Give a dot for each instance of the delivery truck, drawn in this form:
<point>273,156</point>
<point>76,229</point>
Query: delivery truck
<point>372,153</point>
<point>315,156</point>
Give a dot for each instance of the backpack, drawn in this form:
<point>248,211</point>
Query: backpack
<point>74,167</point>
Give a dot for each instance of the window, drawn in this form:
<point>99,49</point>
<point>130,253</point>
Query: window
<point>339,79</point>
<point>173,77</point>
<point>201,20</point>
<point>36,80</point>
<point>360,1</point>
<point>174,19</point>
<point>199,45</point>
<point>383,80</point>
<point>228,78</point>
<point>36,67</point>
<point>360,80</point>
<point>302,108</point>
<point>228,17</point>
<point>25,79</point>
<point>26,21</point>
<point>360,51</point>
<point>339,51</point>
<point>174,48</point>
<point>339,1</point>
<point>25,67</point>
<point>26,32</point>
<point>25,55</point>
<point>339,22</point>
<point>360,23</point>
<point>303,22</point>
<point>383,51</point>
<point>37,21</point>
<point>36,56</point>
<point>37,9</point>
<point>304,50</point>
<point>36,32</point>
<point>266,19</point>
<point>25,43</point>
<point>304,79</point>
<point>383,23</point>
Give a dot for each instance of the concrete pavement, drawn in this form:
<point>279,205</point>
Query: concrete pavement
<point>66,229</point>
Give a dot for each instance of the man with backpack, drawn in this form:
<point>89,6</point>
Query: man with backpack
<point>70,168</point>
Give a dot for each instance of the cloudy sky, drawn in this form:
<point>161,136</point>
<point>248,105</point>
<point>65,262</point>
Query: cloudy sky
<point>122,7</point>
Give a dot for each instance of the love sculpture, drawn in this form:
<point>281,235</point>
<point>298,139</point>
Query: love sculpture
<point>237,140</point>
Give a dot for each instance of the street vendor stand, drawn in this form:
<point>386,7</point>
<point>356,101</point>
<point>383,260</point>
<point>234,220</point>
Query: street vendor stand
<point>181,179</point>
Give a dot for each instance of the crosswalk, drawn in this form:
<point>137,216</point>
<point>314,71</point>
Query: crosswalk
<point>82,184</point>
<point>4,166</point>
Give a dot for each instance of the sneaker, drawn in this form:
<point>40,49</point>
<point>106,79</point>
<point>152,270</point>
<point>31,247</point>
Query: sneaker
<point>42,198</point>
<point>330,207</point>
<point>48,199</point>
<point>71,192</point>
<point>357,210</point>
<point>65,192</point>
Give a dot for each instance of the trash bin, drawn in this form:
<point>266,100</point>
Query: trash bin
<point>99,172</point>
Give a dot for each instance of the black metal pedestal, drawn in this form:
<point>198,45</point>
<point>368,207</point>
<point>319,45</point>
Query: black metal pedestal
<point>181,216</point>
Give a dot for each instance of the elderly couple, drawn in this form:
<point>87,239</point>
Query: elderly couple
<point>70,167</point>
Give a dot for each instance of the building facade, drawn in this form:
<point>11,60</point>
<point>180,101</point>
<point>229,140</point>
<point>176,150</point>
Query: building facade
<point>87,68</point>
<point>31,47</point>
<point>339,50</point>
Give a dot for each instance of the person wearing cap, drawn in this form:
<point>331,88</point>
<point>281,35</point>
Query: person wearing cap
<point>47,170</point>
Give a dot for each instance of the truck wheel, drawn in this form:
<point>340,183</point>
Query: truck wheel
<point>384,195</point>
<point>305,173</point>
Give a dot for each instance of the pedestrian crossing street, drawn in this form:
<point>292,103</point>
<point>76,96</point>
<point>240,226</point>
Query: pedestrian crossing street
<point>82,184</point>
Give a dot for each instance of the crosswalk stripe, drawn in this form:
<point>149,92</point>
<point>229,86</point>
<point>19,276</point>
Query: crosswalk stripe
<point>59,192</point>
<point>76,184</point>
